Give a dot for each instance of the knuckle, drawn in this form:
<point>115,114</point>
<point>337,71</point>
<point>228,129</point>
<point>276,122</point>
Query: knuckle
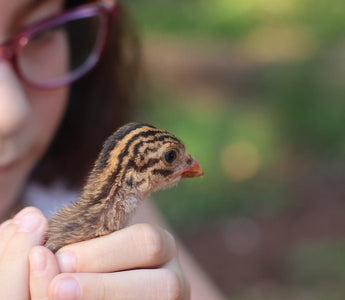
<point>153,243</point>
<point>173,285</point>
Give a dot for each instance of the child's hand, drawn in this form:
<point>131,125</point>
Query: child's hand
<point>17,238</point>
<point>137,262</point>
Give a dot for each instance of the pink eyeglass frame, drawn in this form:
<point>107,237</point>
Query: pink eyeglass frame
<point>11,48</point>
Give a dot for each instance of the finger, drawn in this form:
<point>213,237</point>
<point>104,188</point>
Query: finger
<point>137,246</point>
<point>8,229</point>
<point>160,284</point>
<point>175,266</point>
<point>30,226</point>
<point>43,268</point>
<point>4,224</point>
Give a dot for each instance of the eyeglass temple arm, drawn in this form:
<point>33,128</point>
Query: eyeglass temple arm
<point>112,5</point>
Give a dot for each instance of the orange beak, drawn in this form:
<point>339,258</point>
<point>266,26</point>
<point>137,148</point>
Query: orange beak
<point>192,170</point>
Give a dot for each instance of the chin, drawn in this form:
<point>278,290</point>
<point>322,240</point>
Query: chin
<point>12,181</point>
<point>10,188</point>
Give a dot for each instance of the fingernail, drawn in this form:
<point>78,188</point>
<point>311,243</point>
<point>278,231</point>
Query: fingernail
<point>28,222</point>
<point>21,213</point>
<point>67,261</point>
<point>38,260</point>
<point>67,289</point>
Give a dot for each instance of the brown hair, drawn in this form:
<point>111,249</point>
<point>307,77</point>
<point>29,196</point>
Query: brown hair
<point>99,103</point>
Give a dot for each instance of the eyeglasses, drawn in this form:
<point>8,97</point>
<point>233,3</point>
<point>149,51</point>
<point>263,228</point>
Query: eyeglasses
<point>59,50</point>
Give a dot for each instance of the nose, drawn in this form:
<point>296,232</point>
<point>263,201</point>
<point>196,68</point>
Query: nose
<point>14,107</point>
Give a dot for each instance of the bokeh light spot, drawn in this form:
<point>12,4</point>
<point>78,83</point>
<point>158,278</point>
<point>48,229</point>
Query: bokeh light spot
<point>283,43</point>
<point>240,160</point>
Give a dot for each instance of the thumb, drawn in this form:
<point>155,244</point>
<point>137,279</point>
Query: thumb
<point>43,268</point>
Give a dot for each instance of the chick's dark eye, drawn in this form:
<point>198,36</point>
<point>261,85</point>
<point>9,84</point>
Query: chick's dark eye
<point>170,156</point>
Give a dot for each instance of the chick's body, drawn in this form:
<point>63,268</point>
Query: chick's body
<point>135,161</point>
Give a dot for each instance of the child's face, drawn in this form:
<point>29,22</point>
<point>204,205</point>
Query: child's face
<point>29,117</point>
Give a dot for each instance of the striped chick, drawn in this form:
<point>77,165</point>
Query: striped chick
<point>135,161</point>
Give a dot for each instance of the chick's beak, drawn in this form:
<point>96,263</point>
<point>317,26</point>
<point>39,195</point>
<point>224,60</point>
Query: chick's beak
<point>192,170</point>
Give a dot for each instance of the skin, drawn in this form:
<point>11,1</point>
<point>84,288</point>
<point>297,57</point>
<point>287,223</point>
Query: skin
<point>28,117</point>
<point>145,254</point>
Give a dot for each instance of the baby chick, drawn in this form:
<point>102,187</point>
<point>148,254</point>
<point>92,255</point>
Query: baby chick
<point>135,161</point>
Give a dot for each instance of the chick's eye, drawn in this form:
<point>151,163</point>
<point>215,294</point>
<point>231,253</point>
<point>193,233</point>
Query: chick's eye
<point>170,156</point>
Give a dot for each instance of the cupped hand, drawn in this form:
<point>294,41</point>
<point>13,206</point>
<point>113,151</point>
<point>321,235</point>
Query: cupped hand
<point>138,262</point>
<point>18,236</point>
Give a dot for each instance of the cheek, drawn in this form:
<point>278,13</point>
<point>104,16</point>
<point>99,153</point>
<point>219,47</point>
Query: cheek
<point>45,58</point>
<point>48,108</point>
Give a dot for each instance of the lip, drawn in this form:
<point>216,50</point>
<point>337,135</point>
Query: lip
<point>193,170</point>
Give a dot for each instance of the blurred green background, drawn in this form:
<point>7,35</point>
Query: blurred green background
<point>256,91</point>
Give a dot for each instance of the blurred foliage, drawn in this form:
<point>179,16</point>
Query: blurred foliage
<point>296,100</point>
<point>332,291</point>
<point>261,140</point>
<point>233,19</point>
<point>206,132</point>
<point>318,262</point>
<point>308,107</point>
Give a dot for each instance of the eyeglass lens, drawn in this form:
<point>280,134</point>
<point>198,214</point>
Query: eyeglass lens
<point>62,52</point>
